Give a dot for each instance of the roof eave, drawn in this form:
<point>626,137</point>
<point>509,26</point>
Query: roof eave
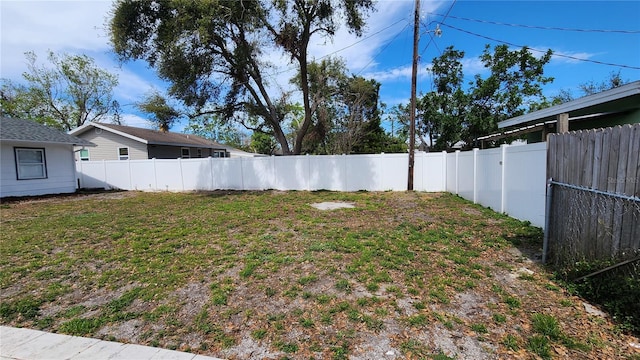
<point>86,127</point>
<point>614,94</point>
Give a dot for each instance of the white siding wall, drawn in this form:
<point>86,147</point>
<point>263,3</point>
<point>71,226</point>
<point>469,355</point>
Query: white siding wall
<point>60,166</point>
<point>108,144</point>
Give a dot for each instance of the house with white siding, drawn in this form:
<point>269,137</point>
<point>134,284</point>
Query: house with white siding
<point>36,159</point>
<point>118,142</point>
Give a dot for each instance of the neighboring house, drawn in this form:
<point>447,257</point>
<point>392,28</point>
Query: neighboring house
<point>617,106</point>
<point>36,159</point>
<point>118,142</point>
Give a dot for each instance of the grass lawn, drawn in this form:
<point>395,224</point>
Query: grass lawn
<point>266,275</point>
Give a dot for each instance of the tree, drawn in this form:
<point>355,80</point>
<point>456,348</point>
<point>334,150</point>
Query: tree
<point>590,88</point>
<point>65,96</point>
<point>211,127</point>
<point>210,51</point>
<point>515,76</point>
<point>452,113</point>
<point>163,114</point>
<point>262,143</point>
<point>440,111</point>
<point>358,128</point>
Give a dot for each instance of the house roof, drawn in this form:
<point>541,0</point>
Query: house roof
<point>152,137</point>
<point>20,130</point>
<point>618,99</point>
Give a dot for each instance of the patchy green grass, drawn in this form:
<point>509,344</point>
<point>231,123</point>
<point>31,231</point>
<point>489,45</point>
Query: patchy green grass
<point>209,272</point>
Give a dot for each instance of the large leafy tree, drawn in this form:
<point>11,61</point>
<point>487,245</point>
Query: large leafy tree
<point>516,77</point>
<point>454,112</point>
<point>210,51</point>
<point>346,117</point>
<point>69,92</point>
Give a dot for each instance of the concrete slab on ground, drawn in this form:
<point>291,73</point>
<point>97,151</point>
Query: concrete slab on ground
<point>26,344</point>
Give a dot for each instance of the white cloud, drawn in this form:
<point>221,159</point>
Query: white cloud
<point>395,74</point>
<point>571,57</point>
<point>136,121</point>
<point>60,26</point>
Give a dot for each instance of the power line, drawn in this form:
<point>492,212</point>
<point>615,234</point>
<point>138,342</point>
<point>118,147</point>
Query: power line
<point>273,75</point>
<point>541,27</point>
<point>542,51</point>
<point>431,36</point>
<point>383,49</point>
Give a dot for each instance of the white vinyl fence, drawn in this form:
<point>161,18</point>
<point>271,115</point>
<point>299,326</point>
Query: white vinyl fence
<point>510,179</point>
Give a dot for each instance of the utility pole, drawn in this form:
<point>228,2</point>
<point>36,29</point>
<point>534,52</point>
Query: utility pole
<point>414,77</point>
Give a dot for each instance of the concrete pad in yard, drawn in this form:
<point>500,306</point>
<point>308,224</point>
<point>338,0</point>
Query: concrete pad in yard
<point>334,205</point>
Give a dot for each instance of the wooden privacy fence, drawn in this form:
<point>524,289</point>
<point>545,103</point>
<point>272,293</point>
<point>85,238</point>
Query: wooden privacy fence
<point>593,195</point>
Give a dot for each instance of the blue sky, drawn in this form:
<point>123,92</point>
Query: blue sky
<point>384,52</point>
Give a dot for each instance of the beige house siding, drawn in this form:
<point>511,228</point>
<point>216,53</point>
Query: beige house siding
<point>108,144</point>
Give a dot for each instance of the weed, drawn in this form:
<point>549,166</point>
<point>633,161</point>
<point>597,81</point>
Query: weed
<point>286,347</point>
<point>413,347</point>
<point>499,318</point>
<point>307,323</point>
<point>512,301</point>
<point>539,345</point>
<point>324,298</point>
<point>417,320</point>
<point>220,292</point>
<point>419,305</point>
<point>343,285</point>
<point>479,328</point>
<point>440,295</point>
<point>27,307</point>
<point>305,280</point>
<point>566,302</point>
<point>511,342</point>
<point>546,325</point>
<point>81,326</point>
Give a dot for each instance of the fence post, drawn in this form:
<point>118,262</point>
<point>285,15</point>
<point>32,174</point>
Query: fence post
<point>155,175</point>
<point>308,172</point>
<point>130,177</point>
<point>241,174</point>
<point>345,176</point>
<point>503,179</point>
<point>210,172</point>
<point>181,174</point>
<point>475,175</point>
<point>547,220</point>
<point>444,170</point>
<point>457,172</point>
<point>104,171</point>
<point>274,174</point>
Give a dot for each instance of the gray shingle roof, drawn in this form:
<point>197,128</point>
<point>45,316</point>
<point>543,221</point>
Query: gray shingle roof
<point>12,129</point>
<point>155,137</point>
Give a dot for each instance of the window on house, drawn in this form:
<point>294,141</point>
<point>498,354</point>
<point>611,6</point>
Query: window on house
<point>123,153</point>
<point>186,153</point>
<point>199,151</point>
<point>30,164</point>
<point>84,155</point>
<point>218,154</point>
